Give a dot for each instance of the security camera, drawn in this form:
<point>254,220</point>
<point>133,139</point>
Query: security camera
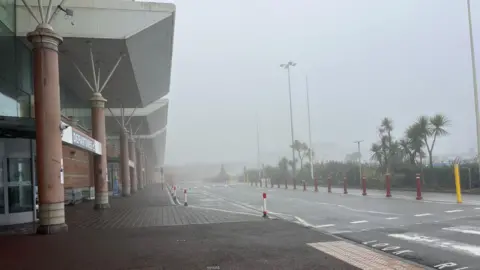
<point>63,126</point>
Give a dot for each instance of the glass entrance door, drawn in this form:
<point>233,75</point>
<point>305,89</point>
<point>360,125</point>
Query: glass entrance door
<point>20,188</point>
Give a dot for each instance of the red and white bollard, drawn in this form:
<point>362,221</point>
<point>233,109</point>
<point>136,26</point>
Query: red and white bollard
<point>304,186</point>
<point>364,186</point>
<point>174,192</point>
<point>419,186</point>
<point>387,185</point>
<point>345,185</point>
<point>316,184</point>
<point>329,184</point>
<point>265,205</point>
<point>185,197</point>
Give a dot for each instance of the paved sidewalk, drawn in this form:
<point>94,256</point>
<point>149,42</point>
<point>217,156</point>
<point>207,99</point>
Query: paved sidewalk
<point>142,232</point>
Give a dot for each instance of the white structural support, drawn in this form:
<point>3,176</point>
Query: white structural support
<point>45,18</point>
<point>96,88</point>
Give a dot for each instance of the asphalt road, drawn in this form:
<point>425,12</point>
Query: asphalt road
<point>436,232</point>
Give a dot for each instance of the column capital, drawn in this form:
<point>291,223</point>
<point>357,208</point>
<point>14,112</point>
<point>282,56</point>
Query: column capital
<point>44,37</point>
<point>97,100</point>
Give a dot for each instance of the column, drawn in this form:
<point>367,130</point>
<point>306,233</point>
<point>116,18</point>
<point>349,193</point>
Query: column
<point>124,168</point>
<point>48,129</point>
<point>100,161</point>
<point>139,169</point>
<point>133,171</point>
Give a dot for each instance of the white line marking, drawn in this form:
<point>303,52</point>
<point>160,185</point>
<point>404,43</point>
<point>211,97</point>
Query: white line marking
<point>439,243</point>
<point>303,222</point>
<point>454,211</point>
<point>464,229</point>
<point>324,226</point>
<point>423,215</point>
<point>477,208</point>
<point>358,221</point>
<point>391,218</point>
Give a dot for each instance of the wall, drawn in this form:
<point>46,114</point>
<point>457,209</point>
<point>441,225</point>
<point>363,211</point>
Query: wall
<point>76,167</point>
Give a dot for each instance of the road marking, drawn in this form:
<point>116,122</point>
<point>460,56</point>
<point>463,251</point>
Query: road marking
<point>477,208</point>
<point>391,218</point>
<point>222,210</point>
<point>359,221</point>
<point>439,243</point>
<point>324,226</point>
<point>464,229</point>
<point>361,257</point>
<point>423,215</point>
<point>454,211</point>
<point>303,222</point>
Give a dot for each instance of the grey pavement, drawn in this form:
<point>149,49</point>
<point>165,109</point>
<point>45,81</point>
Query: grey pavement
<point>149,231</point>
<point>353,215</point>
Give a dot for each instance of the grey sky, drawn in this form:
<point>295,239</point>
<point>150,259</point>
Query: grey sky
<point>366,59</point>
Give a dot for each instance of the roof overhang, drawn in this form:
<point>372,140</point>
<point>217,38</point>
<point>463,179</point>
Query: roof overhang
<point>142,31</point>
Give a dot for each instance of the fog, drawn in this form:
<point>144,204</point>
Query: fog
<point>365,60</point>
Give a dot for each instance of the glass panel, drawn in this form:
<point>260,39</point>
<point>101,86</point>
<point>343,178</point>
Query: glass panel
<point>2,201</point>
<point>20,199</point>
<point>19,171</point>
<point>7,54</point>
<point>7,13</point>
<point>24,67</point>
<point>8,105</point>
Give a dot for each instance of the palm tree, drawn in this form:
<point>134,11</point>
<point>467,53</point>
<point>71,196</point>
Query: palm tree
<point>414,138</point>
<point>301,149</point>
<point>433,128</point>
<point>377,154</point>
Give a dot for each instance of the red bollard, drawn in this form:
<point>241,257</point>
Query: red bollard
<point>419,187</point>
<point>345,185</point>
<point>294,183</point>
<point>387,185</point>
<point>329,184</point>
<point>364,185</point>
<point>185,197</point>
<point>316,184</point>
<point>286,184</point>
<point>304,186</point>
<point>265,205</point>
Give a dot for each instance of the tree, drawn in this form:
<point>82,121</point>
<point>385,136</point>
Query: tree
<point>302,149</point>
<point>432,128</point>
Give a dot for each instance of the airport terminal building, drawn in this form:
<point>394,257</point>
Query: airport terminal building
<point>114,65</point>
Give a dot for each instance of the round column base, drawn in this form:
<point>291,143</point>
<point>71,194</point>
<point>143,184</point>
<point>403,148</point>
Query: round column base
<point>52,229</point>
<point>101,206</point>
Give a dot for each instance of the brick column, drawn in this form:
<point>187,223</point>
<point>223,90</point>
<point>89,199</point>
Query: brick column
<point>133,171</point>
<point>100,161</point>
<point>124,168</point>
<point>48,130</point>
<point>139,169</point>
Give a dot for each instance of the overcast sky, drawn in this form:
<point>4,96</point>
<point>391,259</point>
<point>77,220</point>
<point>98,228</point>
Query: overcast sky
<point>365,59</point>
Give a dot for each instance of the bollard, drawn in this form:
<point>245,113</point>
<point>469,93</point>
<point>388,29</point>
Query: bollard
<point>286,184</point>
<point>174,192</point>
<point>278,183</point>
<point>271,183</point>
<point>458,190</point>
<point>256,183</point>
<point>329,184</point>
<point>304,186</point>
<point>265,205</point>
<point>185,197</point>
<point>316,184</point>
<point>387,185</point>
<point>345,185</point>
<point>364,186</point>
<point>294,183</point>
<point>419,186</point>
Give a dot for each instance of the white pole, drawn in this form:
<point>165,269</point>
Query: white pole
<point>291,121</point>
<point>258,150</point>
<point>185,197</point>
<point>309,128</point>
<point>474,78</point>
<point>359,160</point>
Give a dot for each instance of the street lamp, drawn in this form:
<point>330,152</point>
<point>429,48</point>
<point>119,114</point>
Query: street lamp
<point>474,77</point>
<point>287,67</point>
<point>359,159</point>
<point>309,128</point>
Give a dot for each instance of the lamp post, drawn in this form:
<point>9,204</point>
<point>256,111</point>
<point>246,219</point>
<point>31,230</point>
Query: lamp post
<point>309,128</point>
<point>359,159</point>
<point>287,66</point>
<point>474,78</point>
